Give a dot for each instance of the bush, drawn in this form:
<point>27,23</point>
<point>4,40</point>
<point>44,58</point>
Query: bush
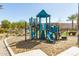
<point>3,30</point>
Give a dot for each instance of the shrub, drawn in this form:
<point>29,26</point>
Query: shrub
<point>3,30</point>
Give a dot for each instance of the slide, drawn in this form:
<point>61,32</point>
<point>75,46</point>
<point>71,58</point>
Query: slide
<point>50,36</point>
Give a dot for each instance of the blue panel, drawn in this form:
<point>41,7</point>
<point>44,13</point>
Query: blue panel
<point>33,35</point>
<point>55,29</point>
<point>43,35</point>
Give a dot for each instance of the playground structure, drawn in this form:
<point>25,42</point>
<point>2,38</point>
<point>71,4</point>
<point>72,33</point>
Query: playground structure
<point>43,30</point>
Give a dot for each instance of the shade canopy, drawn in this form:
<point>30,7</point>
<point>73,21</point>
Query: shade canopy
<point>42,14</point>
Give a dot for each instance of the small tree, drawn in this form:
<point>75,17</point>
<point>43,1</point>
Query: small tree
<point>14,25</point>
<point>21,24</point>
<point>72,18</point>
<point>5,24</point>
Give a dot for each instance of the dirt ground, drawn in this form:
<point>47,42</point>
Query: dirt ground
<point>49,48</point>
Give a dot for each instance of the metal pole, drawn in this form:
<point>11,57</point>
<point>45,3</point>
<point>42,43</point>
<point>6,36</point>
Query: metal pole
<point>78,26</point>
<point>36,26</point>
<point>39,27</point>
<point>49,23</point>
<point>25,31</point>
<point>46,27</point>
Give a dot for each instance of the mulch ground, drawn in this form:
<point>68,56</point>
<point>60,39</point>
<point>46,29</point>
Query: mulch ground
<point>48,48</point>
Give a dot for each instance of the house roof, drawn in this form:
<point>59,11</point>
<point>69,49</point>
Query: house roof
<point>42,14</point>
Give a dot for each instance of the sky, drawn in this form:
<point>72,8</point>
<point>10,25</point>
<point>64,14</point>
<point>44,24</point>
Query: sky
<point>23,11</point>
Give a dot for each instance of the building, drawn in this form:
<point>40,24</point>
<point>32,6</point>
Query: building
<point>65,25</point>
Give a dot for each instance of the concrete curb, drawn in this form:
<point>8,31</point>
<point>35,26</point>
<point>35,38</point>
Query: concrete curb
<point>8,48</point>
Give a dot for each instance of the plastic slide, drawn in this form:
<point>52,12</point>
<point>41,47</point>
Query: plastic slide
<point>50,36</point>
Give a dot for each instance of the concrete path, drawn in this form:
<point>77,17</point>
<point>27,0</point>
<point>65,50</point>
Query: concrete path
<point>3,49</point>
<point>73,51</point>
<point>37,52</point>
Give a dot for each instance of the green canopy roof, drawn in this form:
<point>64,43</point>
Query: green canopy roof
<point>42,14</point>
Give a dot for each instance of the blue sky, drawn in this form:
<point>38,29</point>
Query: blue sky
<point>17,12</point>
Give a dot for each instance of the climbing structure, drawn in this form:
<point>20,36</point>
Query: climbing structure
<point>41,30</point>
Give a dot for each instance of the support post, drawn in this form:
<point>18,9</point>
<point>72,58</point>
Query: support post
<point>39,27</point>
<point>49,23</point>
<point>36,26</point>
<point>46,27</point>
<point>25,31</point>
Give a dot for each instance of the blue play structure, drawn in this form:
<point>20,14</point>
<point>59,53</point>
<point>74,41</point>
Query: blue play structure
<point>51,36</point>
<point>33,34</point>
<point>43,31</point>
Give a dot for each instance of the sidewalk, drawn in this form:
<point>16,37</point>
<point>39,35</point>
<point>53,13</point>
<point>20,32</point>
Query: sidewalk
<point>37,52</point>
<point>73,51</point>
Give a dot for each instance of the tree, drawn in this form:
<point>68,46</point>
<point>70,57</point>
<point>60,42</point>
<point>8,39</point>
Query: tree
<point>14,25</point>
<point>72,18</point>
<point>21,24</point>
<point>5,24</point>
